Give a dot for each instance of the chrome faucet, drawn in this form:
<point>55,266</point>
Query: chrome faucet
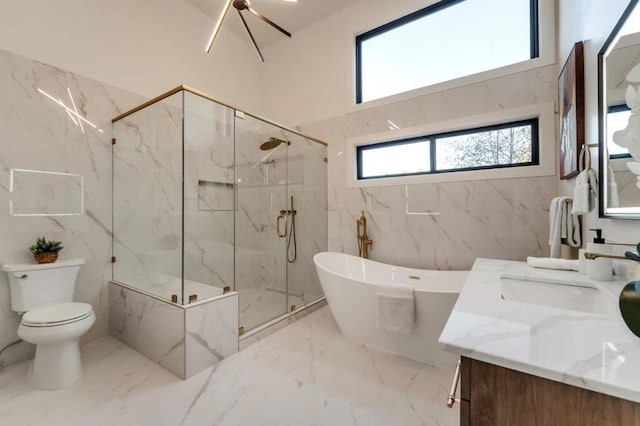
<point>364,243</point>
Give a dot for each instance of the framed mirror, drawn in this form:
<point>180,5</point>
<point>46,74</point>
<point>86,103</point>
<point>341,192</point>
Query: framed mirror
<point>619,194</point>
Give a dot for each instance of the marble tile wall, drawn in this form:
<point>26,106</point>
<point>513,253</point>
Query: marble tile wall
<point>211,333</point>
<point>184,340</point>
<point>445,225</point>
<point>152,327</point>
<point>38,134</point>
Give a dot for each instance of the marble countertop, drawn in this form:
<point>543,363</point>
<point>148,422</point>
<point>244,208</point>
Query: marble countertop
<point>591,351</point>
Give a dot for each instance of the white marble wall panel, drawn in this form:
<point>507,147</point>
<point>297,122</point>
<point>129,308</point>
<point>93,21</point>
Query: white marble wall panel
<point>152,327</point>
<point>445,225</point>
<point>38,134</point>
<point>184,340</point>
<point>211,333</point>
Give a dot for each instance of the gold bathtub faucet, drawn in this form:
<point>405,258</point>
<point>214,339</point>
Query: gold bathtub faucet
<point>364,243</point>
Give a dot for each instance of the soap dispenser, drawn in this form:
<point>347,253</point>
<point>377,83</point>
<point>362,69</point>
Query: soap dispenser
<point>597,246</point>
<point>600,269</point>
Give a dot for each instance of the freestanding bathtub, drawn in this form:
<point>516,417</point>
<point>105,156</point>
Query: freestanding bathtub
<point>349,284</point>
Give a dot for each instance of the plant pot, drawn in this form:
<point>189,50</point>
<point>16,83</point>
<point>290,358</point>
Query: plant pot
<point>45,257</point>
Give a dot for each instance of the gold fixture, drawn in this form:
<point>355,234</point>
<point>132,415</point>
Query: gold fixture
<point>451,398</point>
<point>593,256</point>
<point>239,6</point>
<point>193,298</point>
<point>364,243</point>
<point>226,290</point>
<point>174,298</point>
<point>282,216</point>
<point>240,331</point>
<point>414,277</point>
<point>216,29</point>
<point>293,308</point>
<point>211,98</point>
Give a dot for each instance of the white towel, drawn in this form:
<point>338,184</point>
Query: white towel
<point>563,226</point>
<point>585,192</point>
<point>395,307</point>
<point>553,263</point>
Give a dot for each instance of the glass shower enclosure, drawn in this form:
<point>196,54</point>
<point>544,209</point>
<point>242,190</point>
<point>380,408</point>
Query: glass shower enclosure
<point>209,199</point>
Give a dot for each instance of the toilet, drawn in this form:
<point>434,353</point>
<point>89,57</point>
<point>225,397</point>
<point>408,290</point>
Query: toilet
<point>43,294</point>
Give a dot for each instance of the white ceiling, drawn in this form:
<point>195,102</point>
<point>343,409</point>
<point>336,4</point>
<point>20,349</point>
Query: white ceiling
<point>290,16</point>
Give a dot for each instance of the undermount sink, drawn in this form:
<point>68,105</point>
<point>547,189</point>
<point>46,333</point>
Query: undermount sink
<point>556,294</point>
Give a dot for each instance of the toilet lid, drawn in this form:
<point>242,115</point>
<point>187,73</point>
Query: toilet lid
<point>57,314</point>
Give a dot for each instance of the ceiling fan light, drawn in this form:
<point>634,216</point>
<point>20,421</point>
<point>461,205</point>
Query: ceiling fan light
<point>216,29</point>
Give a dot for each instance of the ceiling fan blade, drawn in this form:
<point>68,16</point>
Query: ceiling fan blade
<point>268,21</point>
<point>216,29</point>
<point>253,40</point>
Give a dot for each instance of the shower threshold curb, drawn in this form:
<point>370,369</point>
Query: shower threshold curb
<point>259,333</point>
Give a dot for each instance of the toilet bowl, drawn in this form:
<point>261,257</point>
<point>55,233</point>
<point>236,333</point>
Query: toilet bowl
<point>56,331</point>
<point>43,295</point>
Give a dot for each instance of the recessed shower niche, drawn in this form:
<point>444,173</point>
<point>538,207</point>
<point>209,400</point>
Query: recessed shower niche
<point>45,193</point>
<point>209,203</point>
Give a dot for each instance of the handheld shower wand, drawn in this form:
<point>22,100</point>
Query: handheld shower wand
<point>291,257</point>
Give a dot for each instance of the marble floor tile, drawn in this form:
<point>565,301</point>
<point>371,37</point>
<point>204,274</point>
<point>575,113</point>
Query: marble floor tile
<point>305,374</point>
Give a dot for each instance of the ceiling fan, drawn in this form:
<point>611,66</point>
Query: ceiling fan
<point>239,6</point>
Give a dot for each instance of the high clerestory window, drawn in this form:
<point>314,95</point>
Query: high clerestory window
<point>445,41</point>
<point>510,144</point>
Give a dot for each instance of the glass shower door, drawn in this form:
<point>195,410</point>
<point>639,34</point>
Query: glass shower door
<point>262,222</point>
<point>147,202</point>
<point>307,184</point>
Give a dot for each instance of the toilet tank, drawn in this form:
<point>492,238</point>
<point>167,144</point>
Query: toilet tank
<point>33,285</point>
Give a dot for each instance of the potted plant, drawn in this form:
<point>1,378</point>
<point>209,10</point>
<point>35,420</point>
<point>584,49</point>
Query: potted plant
<point>46,251</point>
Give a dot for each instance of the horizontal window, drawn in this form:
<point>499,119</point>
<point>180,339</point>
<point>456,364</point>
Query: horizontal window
<point>510,144</point>
<point>447,40</point>
<point>617,119</point>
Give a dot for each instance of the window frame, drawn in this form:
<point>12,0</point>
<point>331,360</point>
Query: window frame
<point>433,138</point>
<point>534,45</point>
<point>547,136</point>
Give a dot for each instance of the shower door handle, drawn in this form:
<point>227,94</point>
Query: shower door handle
<point>282,234</point>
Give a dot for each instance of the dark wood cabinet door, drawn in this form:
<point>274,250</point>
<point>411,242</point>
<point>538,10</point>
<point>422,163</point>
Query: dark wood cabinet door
<point>502,397</point>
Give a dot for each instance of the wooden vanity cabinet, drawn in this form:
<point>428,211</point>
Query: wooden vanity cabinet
<point>497,396</point>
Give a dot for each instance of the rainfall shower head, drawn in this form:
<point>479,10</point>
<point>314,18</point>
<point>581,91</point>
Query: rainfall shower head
<point>272,143</point>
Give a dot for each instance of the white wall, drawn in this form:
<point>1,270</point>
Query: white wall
<point>144,46</point>
<point>592,22</point>
<point>310,76</point>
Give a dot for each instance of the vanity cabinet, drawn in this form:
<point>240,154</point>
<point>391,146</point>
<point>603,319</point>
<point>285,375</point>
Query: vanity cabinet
<point>497,396</point>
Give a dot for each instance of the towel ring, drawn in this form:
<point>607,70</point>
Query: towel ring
<point>584,162</point>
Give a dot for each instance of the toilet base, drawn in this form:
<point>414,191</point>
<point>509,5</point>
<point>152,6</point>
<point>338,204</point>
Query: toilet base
<point>56,365</point>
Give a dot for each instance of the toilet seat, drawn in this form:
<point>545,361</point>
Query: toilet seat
<point>58,314</point>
